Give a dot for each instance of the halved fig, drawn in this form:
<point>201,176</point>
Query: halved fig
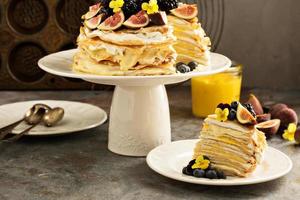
<point>93,11</point>
<point>139,20</point>
<point>257,107</point>
<point>186,11</point>
<point>244,116</point>
<point>270,127</point>
<point>93,22</point>
<point>113,22</point>
<point>159,18</point>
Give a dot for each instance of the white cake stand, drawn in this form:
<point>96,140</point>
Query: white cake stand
<point>139,116</point>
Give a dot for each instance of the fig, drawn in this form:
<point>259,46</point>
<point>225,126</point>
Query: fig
<point>186,11</point>
<point>93,22</point>
<point>270,127</point>
<point>275,109</point>
<point>159,18</point>
<point>113,22</point>
<point>139,20</point>
<point>297,135</point>
<point>244,116</point>
<point>287,116</point>
<point>257,107</point>
<point>263,118</point>
<point>93,11</point>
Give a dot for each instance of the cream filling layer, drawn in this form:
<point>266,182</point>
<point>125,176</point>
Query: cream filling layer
<point>145,38</point>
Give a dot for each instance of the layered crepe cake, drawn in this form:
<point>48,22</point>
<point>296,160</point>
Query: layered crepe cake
<point>192,44</point>
<point>232,147</point>
<point>134,38</point>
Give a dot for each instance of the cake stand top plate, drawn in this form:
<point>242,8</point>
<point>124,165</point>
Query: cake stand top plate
<point>60,64</point>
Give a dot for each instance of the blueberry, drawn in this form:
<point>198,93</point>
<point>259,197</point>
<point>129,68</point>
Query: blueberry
<point>184,171</point>
<point>232,115</point>
<point>193,65</point>
<point>199,173</point>
<point>192,162</point>
<point>221,175</point>
<point>234,105</point>
<point>183,68</point>
<point>211,174</point>
<point>180,63</point>
<point>188,170</point>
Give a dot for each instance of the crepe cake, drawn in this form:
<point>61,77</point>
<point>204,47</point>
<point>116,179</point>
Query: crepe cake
<point>135,37</point>
<point>123,47</point>
<point>192,43</point>
<point>235,147</point>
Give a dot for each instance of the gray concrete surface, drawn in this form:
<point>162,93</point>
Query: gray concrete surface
<point>79,166</point>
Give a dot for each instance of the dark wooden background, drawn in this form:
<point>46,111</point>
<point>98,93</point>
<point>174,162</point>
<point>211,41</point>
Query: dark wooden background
<point>261,34</point>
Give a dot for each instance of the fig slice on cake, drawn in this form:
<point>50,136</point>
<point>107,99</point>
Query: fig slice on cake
<point>186,11</point>
<point>159,18</point>
<point>93,22</point>
<point>139,20</point>
<point>93,11</point>
<point>113,22</point>
<point>244,116</point>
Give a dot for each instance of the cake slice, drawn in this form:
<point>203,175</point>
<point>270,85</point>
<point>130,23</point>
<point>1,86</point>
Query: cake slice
<point>231,147</point>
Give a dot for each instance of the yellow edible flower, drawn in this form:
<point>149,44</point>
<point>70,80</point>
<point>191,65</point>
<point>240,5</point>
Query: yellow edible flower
<point>222,115</point>
<point>116,5</point>
<point>150,7</point>
<point>201,163</point>
<point>289,133</point>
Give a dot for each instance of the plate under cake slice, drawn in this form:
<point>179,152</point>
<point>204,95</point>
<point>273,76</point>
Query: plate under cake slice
<point>232,147</point>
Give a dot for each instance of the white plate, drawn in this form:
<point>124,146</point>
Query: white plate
<point>78,117</point>
<point>61,64</point>
<point>168,160</point>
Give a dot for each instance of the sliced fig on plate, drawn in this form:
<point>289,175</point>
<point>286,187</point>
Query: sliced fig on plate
<point>113,22</point>
<point>270,127</point>
<point>244,116</point>
<point>93,11</point>
<point>186,11</point>
<point>139,20</point>
<point>159,18</point>
<point>93,22</point>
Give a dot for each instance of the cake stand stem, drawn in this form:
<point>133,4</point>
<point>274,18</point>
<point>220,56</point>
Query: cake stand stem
<point>139,120</point>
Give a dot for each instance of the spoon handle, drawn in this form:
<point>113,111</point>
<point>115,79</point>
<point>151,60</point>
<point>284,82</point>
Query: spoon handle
<point>18,136</point>
<point>7,129</point>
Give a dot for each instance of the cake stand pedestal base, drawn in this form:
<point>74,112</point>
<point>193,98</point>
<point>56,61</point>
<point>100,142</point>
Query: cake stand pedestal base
<point>139,120</point>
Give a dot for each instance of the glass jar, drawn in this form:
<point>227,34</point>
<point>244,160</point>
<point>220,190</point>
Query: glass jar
<point>209,91</point>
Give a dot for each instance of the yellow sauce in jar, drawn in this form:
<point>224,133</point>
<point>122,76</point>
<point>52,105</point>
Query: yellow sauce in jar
<point>209,91</point>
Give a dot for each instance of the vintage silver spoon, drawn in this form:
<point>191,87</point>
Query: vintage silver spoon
<point>32,116</point>
<point>49,118</point>
<point>53,116</point>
